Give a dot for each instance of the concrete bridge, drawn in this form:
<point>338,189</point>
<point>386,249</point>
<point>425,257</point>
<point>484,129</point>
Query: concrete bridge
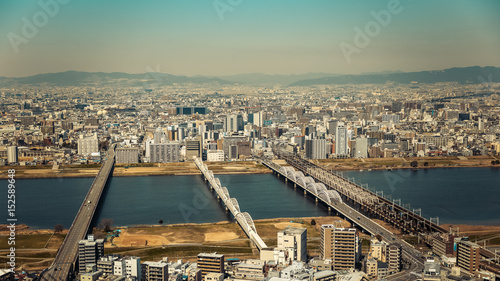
<point>63,266</point>
<point>333,201</point>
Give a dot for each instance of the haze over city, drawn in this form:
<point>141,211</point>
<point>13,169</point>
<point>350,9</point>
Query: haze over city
<point>273,37</point>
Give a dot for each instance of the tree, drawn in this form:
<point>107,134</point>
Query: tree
<point>105,224</point>
<point>414,164</point>
<point>160,222</point>
<point>313,222</point>
<point>58,228</point>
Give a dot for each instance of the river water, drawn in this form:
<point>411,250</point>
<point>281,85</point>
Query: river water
<point>462,195</point>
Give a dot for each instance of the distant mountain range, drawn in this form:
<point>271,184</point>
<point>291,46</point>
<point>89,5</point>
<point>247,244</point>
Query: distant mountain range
<point>464,75</point>
<point>79,78</point>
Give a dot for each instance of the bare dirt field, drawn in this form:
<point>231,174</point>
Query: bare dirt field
<point>146,169</point>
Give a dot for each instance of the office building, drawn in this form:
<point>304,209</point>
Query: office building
<point>215,155</point>
<point>88,145</point>
<point>12,154</point>
<point>193,148</point>
<point>164,152</point>
<point>250,270</point>
<point>341,139</point>
<point>468,255</point>
<point>211,262</point>
<point>338,245</point>
<point>316,149</point>
<point>214,277</point>
<point>127,155</point>
<point>361,148</point>
<point>233,123</point>
<point>294,242</point>
<point>154,271</point>
<point>442,245</point>
<point>89,251</point>
<point>394,118</point>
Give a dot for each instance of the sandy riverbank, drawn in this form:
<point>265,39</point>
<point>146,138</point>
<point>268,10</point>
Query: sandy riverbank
<point>37,248</point>
<point>166,169</point>
<point>246,167</point>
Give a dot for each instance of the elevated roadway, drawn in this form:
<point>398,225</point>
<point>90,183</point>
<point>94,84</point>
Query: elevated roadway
<point>62,268</point>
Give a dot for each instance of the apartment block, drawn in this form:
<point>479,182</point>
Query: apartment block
<point>89,251</point>
<point>210,262</point>
<point>294,242</point>
<point>338,245</point>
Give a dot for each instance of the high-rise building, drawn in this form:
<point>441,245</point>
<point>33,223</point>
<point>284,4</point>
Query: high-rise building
<point>212,262</point>
<point>341,147</point>
<point>294,242</point>
<point>89,251</point>
<point>258,119</point>
<point>393,257</point>
<point>316,149</point>
<point>127,155</point>
<point>12,154</point>
<point>154,271</point>
<point>339,245</point>
<point>129,267</point>
<point>193,148</point>
<point>159,136</point>
<point>361,148</point>
<point>233,123</point>
<point>88,145</point>
<point>164,152</point>
<point>468,255</point>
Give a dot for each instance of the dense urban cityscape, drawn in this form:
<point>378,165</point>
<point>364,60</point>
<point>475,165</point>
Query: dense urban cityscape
<point>233,140</point>
<point>60,127</point>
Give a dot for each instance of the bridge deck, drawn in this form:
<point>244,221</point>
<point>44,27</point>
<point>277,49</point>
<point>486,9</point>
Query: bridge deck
<point>64,262</point>
<point>335,202</point>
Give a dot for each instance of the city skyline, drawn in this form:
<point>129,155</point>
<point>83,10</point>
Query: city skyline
<point>218,38</point>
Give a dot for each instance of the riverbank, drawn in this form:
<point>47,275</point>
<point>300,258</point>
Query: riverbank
<point>36,249</point>
<point>245,167</point>
<point>405,163</point>
<point>133,170</point>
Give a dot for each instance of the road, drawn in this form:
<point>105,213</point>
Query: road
<point>409,253</point>
<point>62,267</point>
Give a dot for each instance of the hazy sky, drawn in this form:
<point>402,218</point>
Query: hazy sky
<point>270,36</point>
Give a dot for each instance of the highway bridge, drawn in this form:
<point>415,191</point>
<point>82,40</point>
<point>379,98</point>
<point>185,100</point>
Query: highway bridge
<point>333,200</point>
<point>244,219</point>
<point>64,264</point>
<point>366,201</point>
